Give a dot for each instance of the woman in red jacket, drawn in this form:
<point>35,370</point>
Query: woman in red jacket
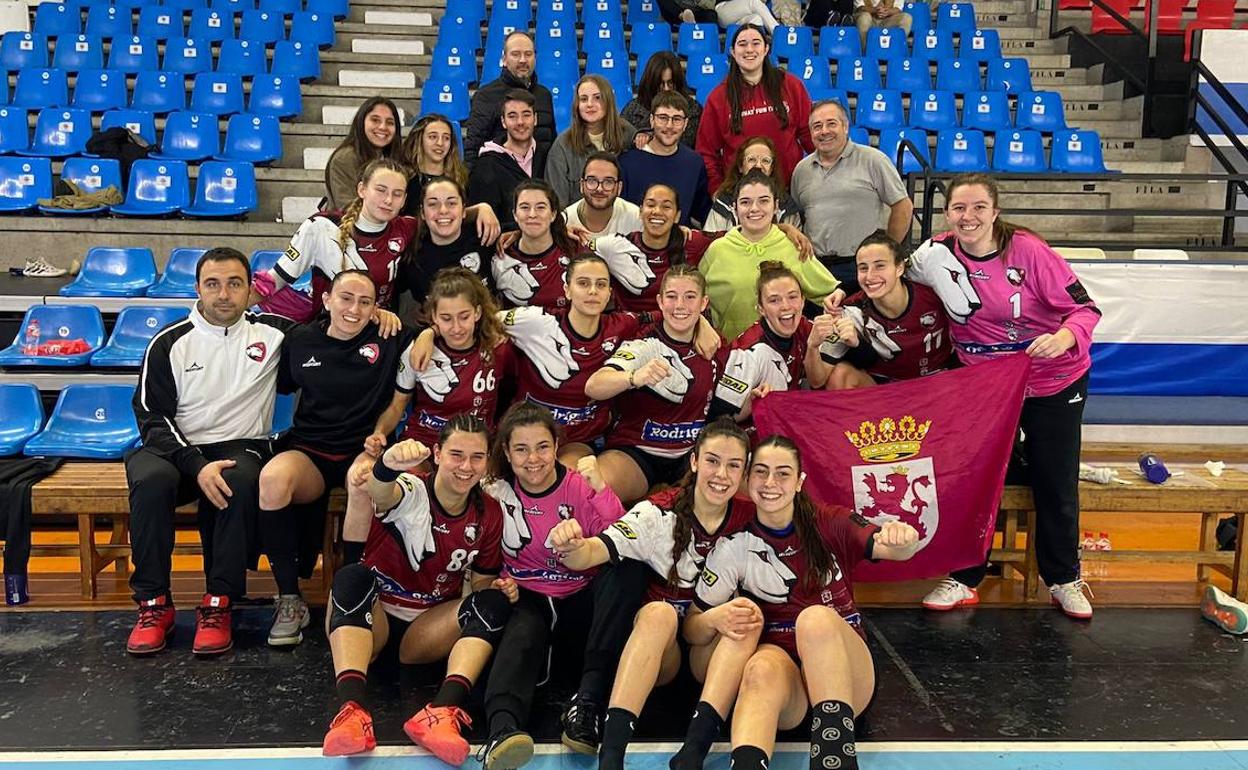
<point>755,99</point>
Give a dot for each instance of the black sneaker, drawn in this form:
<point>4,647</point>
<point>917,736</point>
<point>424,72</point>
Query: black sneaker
<point>507,750</point>
<point>582,726</point>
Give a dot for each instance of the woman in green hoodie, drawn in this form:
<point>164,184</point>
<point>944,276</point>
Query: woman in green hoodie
<point>731,263</point>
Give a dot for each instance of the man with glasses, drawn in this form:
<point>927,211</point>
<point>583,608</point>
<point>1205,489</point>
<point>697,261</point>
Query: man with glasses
<point>602,211</point>
<point>664,159</point>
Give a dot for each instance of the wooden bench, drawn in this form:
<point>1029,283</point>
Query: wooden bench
<point>90,491</point>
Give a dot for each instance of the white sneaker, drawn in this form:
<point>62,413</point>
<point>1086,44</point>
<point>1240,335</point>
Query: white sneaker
<point>38,267</point>
<point>949,594</point>
<point>1072,597</point>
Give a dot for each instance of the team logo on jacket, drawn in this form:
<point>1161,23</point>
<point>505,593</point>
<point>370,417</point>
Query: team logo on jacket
<point>927,320</point>
<point>256,351</point>
<point>470,534</point>
<point>897,484</point>
<point>471,261</point>
<point>1015,275</point>
<point>370,352</point>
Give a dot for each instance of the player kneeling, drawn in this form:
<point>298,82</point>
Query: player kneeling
<point>407,593</point>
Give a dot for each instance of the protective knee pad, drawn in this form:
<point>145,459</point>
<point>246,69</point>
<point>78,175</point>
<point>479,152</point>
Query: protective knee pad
<point>483,615</point>
<point>351,598</point>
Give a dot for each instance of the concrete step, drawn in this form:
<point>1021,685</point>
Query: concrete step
<point>398,18</point>
<point>339,112</point>
<point>374,79</point>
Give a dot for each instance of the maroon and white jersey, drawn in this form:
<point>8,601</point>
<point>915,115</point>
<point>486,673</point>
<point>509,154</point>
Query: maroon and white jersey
<point>760,356</point>
<point>637,270</point>
<point>531,280</point>
<point>915,344</point>
<point>647,533</point>
<point>768,566</point>
<point>555,362</point>
<point>664,419</point>
<point>420,553</point>
<point>454,382</point>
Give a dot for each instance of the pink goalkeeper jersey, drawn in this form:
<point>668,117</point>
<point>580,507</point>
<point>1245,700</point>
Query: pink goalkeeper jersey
<point>999,304</point>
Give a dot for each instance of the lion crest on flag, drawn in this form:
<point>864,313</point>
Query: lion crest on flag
<point>896,484</point>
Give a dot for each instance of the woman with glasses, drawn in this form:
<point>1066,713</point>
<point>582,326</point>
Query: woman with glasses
<point>596,127</point>
<point>757,152</point>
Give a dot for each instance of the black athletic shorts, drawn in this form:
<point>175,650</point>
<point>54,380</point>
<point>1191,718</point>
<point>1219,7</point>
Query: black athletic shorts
<point>656,469</point>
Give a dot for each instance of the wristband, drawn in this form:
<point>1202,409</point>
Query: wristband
<point>383,473</point>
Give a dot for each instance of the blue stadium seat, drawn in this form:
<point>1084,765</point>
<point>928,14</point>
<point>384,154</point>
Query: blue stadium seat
<point>89,421</point>
<point>705,72</point>
<point>472,9</point>
<point>23,181</point>
<point>558,34</point>
<point>511,14</point>
<point>603,34</point>
<point>1012,75</point>
<point>839,43</point>
<point>209,26</point>
<point>857,75</point>
<point>982,46</point>
<point>56,323</point>
<point>447,97</point>
<point>934,110</point>
<point>80,52</point>
<point>558,65</point>
<point>184,5</point>
<point>158,22</point>
<point>934,46</point>
<point>293,59</point>
<point>909,75</point>
<point>137,121</point>
<point>111,272</point>
<point>189,136</point>
<point>561,13</point>
<point>813,71</point>
<point>14,129</point>
<point>697,40</point>
<point>157,188</point>
<point>1076,151</point>
<point>19,50</point>
<point>647,39</point>
<point>561,101</point>
<point>262,26</point>
<point>136,325</point>
<point>178,280</point>
<point>100,90</point>
<point>217,94</point>
<point>21,416</point>
<point>284,7</point>
<point>188,56</point>
<point>958,18</point>
<point>254,139</point>
<point>838,95</point>
<point>263,259</point>
<point>886,44</point>
<point>334,8</point>
<point>644,12</point>
<point>793,43</point>
<point>315,29</point>
<point>109,21</point>
<point>860,135</point>
<point>134,55</point>
<point>38,88</point>
<point>57,20</point>
<point>878,110</point>
<point>457,63</point>
<point>460,31</point>
<point>224,189</point>
<point>593,12</point>
<point>275,95</point>
<point>961,149</point>
<point>1041,111</point>
<point>1019,152</point>
<point>986,110</point>
<point>232,6</point>
<point>612,65</point>
<point>90,175</point>
<point>59,133</point>
<point>921,17</point>
<point>245,58</point>
<point>492,61</point>
<point>960,76</point>
<point>890,142</point>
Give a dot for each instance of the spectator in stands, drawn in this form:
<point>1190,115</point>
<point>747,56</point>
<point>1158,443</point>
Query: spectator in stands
<point>879,13</point>
<point>842,188</point>
<point>664,159</point>
<point>755,99</point>
<point>483,124</point>
<point>205,408</point>
<point>664,72</point>
<point>500,167</point>
<point>730,12</point>
<point>376,132</point>
<point>431,150</point>
<point>596,127</point>
<point>688,11</point>
<point>756,152</point>
<point>602,210</point>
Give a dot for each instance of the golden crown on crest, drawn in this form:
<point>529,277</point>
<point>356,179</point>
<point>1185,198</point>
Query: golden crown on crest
<point>889,441</point>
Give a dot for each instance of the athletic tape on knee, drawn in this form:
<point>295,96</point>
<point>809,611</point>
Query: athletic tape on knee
<point>484,614</point>
<point>351,598</point>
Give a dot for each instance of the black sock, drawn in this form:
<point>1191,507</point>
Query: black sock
<point>503,721</point>
<point>832,735</point>
<point>351,685</point>
<point>704,728</point>
<point>352,552</point>
<point>453,691</point>
<point>595,686</point>
<point>749,758</point>
<point>617,731</point>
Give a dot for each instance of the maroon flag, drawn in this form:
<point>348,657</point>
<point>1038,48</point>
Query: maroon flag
<point>931,452</point>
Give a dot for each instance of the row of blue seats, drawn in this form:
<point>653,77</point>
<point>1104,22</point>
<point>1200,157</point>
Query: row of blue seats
<point>207,25</point>
<point>212,93</point>
<point>156,188</point>
<point>638,11</point>
<point>336,8</point>
<point>292,59</point>
<point>1018,151</point>
<point>937,110</point>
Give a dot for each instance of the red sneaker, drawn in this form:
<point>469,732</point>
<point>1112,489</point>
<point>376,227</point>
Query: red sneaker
<point>212,626</point>
<point>351,732</point>
<point>154,628</point>
<point>437,729</point>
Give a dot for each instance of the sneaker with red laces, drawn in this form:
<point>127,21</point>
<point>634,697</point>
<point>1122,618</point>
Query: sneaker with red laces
<point>154,628</point>
<point>212,626</point>
<point>437,729</point>
<point>351,732</point>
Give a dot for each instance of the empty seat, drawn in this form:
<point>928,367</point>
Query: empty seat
<point>178,280</point>
<point>181,6</point>
<point>511,13</point>
<point>335,8</point>
<point>886,44</point>
<point>961,76</point>
<point>1012,75</point>
<point>263,259</point>
<point>697,40</point>
<point>159,92</point>
<point>982,45</point>
<point>909,75</point>
<point>189,136</point>
<point>986,111</point>
<point>613,66</point>
<point>91,421</point>
<point>55,335</point>
<point>934,110</point>
<point>961,149</point>
<point>920,17</point>
<point>188,56</point>
<point>23,181</point>
<point>59,133</point>
<point>232,6</point>
<point>245,58</point>
<point>90,175</point>
<point>284,7</point>
<point>134,329</point>
<point>559,65</point>
<point>561,15</point>
<point>705,72</point>
<point>1019,152</point>
<point>217,93</point>
<point>224,189</point>
<point>839,43</point>
<point>603,36</point>
<point>252,138</point>
<point>109,21</point>
<point>210,26</point>
<point>134,55</point>
<point>813,71</point>
<point>492,63</point>
<point>857,75</point>
<point>643,11</point>
<point>38,88</point>
<point>454,62</point>
<point>447,97</point>
<point>838,95</point>
<point>594,12</point>
<point>460,30</point>
<point>316,29</point>
<point>21,416</point>
<point>157,188</point>
<point>135,121</point>
<point>113,272</point>
<point>890,144</point>
<point>1040,110</point>
<point>276,96</point>
<point>57,20</point>
<point>1076,151</point>
<point>561,102</point>
<point>878,110</point>
<point>958,18</point>
<point>19,50</point>
<point>293,59</point>
<point>79,52</point>
<point>100,90</point>
<point>1210,14</point>
<point>1104,24</point>
<point>649,38</point>
<point>158,22</point>
<point>792,42</point>
<point>262,26</point>
<point>14,129</point>
<point>936,45</point>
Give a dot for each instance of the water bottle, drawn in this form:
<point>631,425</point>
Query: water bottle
<point>1103,543</point>
<point>30,344</point>
<point>1088,543</point>
<point>1153,468</point>
<point>15,590</point>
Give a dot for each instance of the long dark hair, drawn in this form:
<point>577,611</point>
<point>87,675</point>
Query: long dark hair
<point>819,559</point>
<point>1002,230</point>
<point>559,227</point>
<point>519,415</point>
<point>772,82</point>
<point>676,238</point>
<point>682,506</point>
<point>358,142</point>
<point>651,83</point>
